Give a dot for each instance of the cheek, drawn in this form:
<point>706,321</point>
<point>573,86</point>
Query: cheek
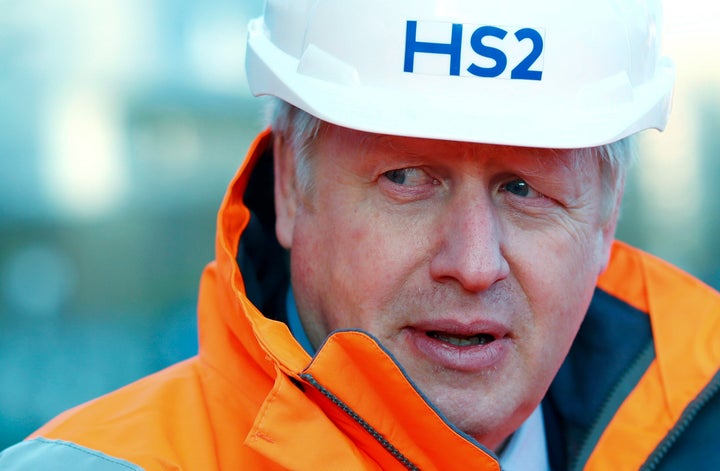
<point>558,295</point>
<point>379,253</point>
<point>566,255</point>
<point>558,274</point>
<point>343,265</point>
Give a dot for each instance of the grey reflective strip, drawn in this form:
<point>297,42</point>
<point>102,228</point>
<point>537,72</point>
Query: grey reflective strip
<point>58,455</point>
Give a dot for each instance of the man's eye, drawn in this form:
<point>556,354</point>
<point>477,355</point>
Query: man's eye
<point>411,176</point>
<point>520,188</point>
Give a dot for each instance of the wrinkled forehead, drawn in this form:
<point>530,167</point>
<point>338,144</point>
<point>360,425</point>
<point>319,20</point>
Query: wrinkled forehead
<point>535,159</point>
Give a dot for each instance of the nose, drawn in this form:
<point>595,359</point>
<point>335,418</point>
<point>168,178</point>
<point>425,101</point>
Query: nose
<point>470,245</point>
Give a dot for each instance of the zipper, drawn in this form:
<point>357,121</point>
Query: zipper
<point>687,417</point>
<point>397,454</point>
<point>611,403</point>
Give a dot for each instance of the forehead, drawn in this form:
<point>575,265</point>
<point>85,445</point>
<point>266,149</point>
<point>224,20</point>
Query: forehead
<point>367,146</point>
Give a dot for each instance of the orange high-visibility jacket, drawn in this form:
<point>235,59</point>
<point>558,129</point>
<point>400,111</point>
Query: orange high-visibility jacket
<point>640,386</point>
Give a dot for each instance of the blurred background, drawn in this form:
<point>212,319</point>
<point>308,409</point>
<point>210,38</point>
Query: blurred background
<point>122,122</point>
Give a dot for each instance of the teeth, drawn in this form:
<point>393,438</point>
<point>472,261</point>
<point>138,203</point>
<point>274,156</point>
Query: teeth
<point>480,339</point>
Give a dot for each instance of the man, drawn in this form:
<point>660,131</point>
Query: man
<point>446,179</point>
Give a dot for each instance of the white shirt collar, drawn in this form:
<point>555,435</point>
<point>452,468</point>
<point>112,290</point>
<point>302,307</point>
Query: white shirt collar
<point>527,449</point>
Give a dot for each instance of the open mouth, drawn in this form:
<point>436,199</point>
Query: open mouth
<point>461,340</point>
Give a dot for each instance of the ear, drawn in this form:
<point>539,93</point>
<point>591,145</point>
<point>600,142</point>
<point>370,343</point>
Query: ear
<point>286,197</point>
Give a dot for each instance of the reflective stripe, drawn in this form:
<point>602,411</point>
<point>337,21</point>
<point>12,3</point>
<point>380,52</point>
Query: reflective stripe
<point>51,455</point>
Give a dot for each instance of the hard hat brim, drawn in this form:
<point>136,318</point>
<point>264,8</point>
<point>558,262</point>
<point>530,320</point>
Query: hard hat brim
<point>477,115</point>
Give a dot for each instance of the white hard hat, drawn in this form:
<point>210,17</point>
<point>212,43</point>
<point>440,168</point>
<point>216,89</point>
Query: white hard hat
<point>555,73</point>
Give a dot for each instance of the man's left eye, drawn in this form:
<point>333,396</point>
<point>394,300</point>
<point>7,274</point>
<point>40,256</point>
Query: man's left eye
<point>411,176</point>
<point>520,187</point>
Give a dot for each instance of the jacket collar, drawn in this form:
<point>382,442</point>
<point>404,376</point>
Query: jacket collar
<point>684,316</point>
<point>348,367</point>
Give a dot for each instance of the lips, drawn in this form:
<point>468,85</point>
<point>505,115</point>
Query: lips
<point>463,347</point>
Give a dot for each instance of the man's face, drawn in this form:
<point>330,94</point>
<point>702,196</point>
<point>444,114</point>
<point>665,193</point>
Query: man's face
<point>473,264</point>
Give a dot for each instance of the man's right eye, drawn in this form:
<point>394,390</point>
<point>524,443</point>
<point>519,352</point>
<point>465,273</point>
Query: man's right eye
<point>411,176</point>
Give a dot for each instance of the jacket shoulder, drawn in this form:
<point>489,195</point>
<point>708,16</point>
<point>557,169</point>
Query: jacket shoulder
<point>681,387</point>
<point>142,423</point>
<point>41,453</point>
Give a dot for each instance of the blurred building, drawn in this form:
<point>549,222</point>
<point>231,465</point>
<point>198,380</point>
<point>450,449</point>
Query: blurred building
<point>121,123</point>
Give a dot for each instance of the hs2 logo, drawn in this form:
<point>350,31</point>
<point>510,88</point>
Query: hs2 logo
<point>471,50</point>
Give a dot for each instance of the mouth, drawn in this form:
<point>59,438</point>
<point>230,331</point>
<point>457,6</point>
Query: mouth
<point>461,340</point>
<point>464,347</point>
